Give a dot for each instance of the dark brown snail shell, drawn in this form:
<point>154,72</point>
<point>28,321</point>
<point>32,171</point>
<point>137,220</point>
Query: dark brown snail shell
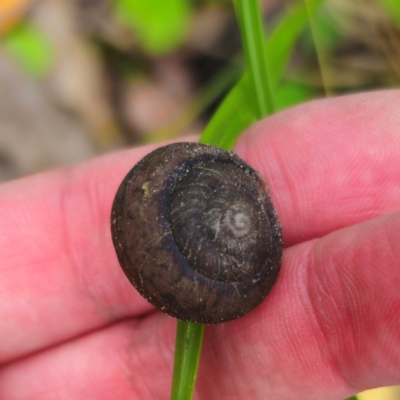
<point>196,233</point>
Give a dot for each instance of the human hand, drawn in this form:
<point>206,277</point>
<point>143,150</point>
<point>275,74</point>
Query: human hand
<point>73,327</point>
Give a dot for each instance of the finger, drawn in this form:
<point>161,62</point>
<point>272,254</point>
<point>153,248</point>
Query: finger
<point>125,361</point>
<point>329,329</point>
<point>59,274</point>
<point>331,163</point>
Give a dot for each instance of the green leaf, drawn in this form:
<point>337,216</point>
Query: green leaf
<point>238,110</point>
<point>30,48</point>
<point>236,113</point>
<point>280,44</point>
<point>189,339</point>
<point>324,28</point>
<point>392,7</point>
<point>257,65</point>
<point>159,25</point>
<point>289,94</point>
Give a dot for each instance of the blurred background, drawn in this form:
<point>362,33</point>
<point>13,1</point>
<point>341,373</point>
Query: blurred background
<point>84,77</point>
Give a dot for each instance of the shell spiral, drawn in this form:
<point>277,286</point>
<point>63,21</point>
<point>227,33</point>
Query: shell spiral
<point>196,233</point>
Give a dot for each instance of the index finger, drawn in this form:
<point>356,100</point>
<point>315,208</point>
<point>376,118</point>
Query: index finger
<point>59,274</point>
<point>331,163</point>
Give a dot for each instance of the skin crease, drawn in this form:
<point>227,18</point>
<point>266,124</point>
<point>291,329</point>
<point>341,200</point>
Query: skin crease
<point>73,327</point>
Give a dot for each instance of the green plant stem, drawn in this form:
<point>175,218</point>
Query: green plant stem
<point>189,339</point>
<point>189,336</point>
<point>321,56</point>
<point>250,22</point>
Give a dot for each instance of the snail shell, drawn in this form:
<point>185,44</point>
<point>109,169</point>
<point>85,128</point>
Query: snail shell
<point>196,233</point>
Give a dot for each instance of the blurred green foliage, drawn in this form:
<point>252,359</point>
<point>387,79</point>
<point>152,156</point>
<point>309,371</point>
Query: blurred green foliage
<point>158,25</point>
<point>30,48</point>
<point>325,30</point>
<point>392,7</point>
<point>161,26</point>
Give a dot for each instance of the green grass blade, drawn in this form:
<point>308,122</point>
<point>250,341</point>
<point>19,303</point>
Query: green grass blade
<point>289,94</point>
<point>319,49</point>
<point>250,100</point>
<point>234,115</point>
<point>280,43</point>
<point>238,110</point>
<point>250,22</point>
<point>189,339</point>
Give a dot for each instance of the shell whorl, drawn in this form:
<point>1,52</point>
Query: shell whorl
<point>196,233</point>
<point>218,206</point>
